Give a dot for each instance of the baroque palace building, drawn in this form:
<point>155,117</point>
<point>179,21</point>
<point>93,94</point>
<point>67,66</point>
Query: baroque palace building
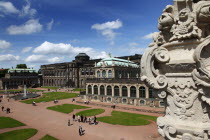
<point>73,74</point>
<point>17,77</point>
<point>118,81</point>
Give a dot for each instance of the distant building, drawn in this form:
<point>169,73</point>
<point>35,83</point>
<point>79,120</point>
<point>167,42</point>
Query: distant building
<point>75,73</point>
<point>16,78</point>
<point>118,81</point>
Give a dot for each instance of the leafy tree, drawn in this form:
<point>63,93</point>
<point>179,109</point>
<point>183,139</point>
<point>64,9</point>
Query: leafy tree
<point>21,66</point>
<point>3,72</point>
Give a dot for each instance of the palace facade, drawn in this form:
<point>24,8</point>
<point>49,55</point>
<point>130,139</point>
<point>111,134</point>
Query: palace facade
<point>118,81</point>
<point>16,78</point>
<point>73,74</point>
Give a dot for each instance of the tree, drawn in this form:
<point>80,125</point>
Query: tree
<point>21,66</point>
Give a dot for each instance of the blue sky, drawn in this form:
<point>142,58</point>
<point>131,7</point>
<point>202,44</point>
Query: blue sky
<point>39,32</point>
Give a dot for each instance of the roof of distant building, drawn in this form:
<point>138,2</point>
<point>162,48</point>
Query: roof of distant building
<point>82,54</point>
<point>116,62</point>
<point>21,70</point>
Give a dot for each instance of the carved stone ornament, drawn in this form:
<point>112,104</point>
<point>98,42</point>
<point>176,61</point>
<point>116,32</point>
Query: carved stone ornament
<point>177,67</point>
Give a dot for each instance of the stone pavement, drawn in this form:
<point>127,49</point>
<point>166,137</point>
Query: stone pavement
<point>55,123</point>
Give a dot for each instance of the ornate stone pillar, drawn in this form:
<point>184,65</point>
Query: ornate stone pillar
<point>86,89</point>
<point>177,66</point>
<point>112,91</point>
<point>99,90</point>
<point>92,89</point>
<point>129,91</point>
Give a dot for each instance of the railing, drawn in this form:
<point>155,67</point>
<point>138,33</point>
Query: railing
<point>113,80</point>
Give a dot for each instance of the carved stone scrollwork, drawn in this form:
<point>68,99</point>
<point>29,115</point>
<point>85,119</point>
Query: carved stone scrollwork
<point>177,66</point>
<point>162,55</point>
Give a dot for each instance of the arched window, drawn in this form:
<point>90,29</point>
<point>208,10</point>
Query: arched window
<point>89,89</point>
<point>151,93</point>
<point>109,74</point>
<point>142,92</point>
<point>102,90</point>
<point>96,89</point>
<point>109,90</point>
<point>98,74</point>
<point>103,73</point>
<point>133,91</point>
<point>116,91</point>
<point>124,91</point>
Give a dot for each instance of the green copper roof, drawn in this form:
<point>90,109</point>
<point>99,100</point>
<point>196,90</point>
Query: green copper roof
<point>116,62</point>
<point>21,70</point>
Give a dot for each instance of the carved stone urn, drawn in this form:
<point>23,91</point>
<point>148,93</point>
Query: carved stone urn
<point>177,66</point>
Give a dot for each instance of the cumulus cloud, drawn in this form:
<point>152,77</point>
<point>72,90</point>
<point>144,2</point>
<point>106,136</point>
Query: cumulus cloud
<point>26,49</point>
<point>9,58</point>
<point>4,44</point>
<point>42,59</point>
<point>106,29</point>
<point>27,10</point>
<point>31,26</point>
<point>148,36</point>
<point>8,8</point>
<point>67,49</point>
<point>50,24</point>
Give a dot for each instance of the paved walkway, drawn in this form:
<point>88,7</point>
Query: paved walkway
<point>55,123</point>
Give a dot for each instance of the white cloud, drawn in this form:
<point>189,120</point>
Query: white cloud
<point>9,58</point>
<point>148,36</point>
<point>42,59</point>
<point>50,24</point>
<point>8,8</point>
<point>27,10</point>
<point>106,29</point>
<point>133,44</point>
<point>4,44</point>
<point>31,26</point>
<point>26,49</point>
<point>67,49</point>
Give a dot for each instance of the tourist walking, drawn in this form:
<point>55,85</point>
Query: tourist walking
<point>85,119</point>
<point>2,108</point>
<point>78,118</point>
<point>8,99</point>
<point>73,117</point>
<point>80,130</point>
<point>94,120</point>
<point>82,118</point>
<point>69,123</point>
<point>8,110</point>
<point>89,119</point>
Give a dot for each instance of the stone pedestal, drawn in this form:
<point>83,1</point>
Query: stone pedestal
<point>177,66</point>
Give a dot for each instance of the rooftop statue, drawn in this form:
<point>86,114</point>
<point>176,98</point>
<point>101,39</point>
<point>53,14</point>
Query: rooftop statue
<point>177,67</point>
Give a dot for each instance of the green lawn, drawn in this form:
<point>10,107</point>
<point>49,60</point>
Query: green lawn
<point>91,112</point>
<point>51,96</point>
<point>21,134</point>
<point>66,108</point>
<point>129,119</point>
<point>20,90</point>
<point>53,88</point>
<point>48,137</point>
<point>6,122</point>
<point>78,89</point>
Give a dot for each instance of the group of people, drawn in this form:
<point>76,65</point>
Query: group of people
<point>84,119</point>
<point>7,110</point>
<point>3,108</point>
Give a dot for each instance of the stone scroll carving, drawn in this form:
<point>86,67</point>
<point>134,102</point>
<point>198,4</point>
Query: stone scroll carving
<point>177,66</point>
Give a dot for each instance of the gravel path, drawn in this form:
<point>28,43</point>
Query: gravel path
<point>55,123</point>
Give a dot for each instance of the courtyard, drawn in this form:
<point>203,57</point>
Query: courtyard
<point>50,120</point>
